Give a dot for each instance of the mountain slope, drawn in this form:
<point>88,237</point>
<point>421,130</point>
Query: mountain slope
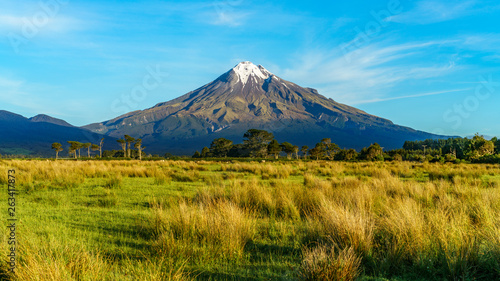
<point>249,96</point>
<point>33,136</point>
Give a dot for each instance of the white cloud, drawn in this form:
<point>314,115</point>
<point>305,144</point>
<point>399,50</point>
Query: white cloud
<point>371,73</point>
<point>431,11</point>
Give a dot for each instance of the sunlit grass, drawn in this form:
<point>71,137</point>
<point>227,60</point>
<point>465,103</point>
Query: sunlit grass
<point>178,220</point>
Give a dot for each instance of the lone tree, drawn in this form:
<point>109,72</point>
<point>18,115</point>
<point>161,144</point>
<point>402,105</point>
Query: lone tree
<point>316,151</point>
<point>95,147</point>
<point>87,146</point>
<point>296,151</point>
<point>288,149</point>
<point>256,141</point>
<point>139,147</point>
<point>329,148</point>
<point>75,146</point>
<point>58,148</point>
<point>304,150</point>
<point>72,151</point>
<point>220,147</point>
<point>129,141</point>
<point>274,148</point>
<point>205,152</point>
<point>80,146</point>
<point>123,144</point>
<point>100,147</point>
<point>373,153</point>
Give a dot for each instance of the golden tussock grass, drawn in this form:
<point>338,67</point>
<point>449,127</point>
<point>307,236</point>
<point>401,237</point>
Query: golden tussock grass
<point>203,229</point>
<point>326,263</point>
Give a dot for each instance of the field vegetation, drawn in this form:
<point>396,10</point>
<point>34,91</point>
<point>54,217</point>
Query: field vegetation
<point>229,220</point>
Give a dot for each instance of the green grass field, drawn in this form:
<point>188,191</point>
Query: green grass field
<point>297,220</point>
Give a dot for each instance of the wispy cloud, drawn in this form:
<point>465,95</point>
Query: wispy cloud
<point>495,58</point>
<point>412,96</point>
<point>8,21</point>
<point>229,13</point>
<point>39,22</point>
<point>483,42</point>
<point>371,72</point>
<point>9,84</point>
<point>230,18</point>
<point>12,94</point>
<point>28,99</point>
<point>431,11</point>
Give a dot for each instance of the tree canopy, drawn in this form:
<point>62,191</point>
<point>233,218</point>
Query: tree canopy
<point>256,142</point>
<point>220,147</point>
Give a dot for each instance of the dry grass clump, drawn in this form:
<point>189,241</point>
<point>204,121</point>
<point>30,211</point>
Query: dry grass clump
<point>252,168</point>
<point>346,227</point>
<point>209,229</point>
<point>313,181</point>
<point>325,263</point>
<point>160,268</point>
<point>114,181</point>
<point>54,261</point>
<point>188,176</point>
<point>266,171</point>
<point>161,177</point>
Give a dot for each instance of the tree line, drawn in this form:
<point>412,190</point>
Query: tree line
<point>75,147</point>
<point>476,149</point>
<point>262,144</point>
<point>126,145</point>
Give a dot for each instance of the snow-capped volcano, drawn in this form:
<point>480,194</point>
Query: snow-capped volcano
<point>249,96</point>
<point>245,70</point>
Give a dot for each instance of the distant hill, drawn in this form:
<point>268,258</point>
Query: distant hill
<point>49,119</point>
<point>34,136</point>
<point>249,96</point>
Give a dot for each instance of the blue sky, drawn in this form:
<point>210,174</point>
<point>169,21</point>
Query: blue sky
<point>429,65</point>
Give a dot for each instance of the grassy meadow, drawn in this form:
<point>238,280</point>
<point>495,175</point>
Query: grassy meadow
<point>295,220</point>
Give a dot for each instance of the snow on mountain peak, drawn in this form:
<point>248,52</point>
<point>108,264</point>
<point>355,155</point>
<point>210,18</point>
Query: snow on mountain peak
<point>246,69</point>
